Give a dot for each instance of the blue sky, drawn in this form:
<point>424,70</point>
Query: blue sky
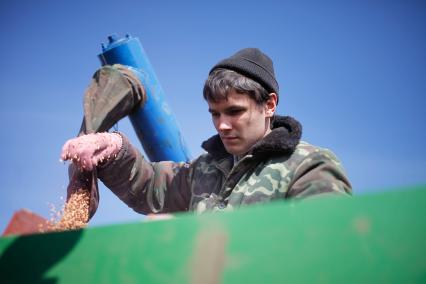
<point>352,72</point>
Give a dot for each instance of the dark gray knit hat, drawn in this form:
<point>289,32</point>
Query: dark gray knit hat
<point>254,64</point>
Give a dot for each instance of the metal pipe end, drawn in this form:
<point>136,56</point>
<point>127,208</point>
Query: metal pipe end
<point>112,38</point>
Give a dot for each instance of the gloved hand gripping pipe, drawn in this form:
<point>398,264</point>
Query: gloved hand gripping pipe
<point>153,121</point>
<point>127,85</point>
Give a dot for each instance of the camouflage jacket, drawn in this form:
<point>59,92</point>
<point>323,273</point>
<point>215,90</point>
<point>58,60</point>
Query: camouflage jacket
<point>278,167</point>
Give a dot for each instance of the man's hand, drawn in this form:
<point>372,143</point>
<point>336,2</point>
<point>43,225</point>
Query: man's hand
<point>157,217</point>
<point>88,151</point>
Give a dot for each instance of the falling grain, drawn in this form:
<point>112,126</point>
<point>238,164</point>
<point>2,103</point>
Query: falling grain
<point>73,215</point>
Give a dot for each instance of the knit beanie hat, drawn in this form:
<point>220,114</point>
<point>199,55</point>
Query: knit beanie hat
<point>254,64</point>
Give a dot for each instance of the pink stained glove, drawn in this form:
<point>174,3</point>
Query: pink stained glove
<point>89,151</point>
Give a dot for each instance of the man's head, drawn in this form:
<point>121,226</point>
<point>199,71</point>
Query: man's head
<point>242,95</point>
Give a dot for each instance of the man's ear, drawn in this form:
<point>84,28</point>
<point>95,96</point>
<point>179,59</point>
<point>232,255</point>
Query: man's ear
<point>271,105</point>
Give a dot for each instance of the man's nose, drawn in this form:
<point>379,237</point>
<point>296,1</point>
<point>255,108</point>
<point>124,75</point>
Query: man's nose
<point>224,124</point>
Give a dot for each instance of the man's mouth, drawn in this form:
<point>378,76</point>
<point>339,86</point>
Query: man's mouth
<point>229,138</point>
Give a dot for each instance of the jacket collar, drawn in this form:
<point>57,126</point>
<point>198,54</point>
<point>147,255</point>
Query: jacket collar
<point>283,139</point>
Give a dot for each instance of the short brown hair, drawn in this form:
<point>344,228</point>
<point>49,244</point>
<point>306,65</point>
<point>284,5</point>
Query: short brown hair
<point>222,81</point>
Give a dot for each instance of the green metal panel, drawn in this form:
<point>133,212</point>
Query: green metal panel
<point>378,238</point>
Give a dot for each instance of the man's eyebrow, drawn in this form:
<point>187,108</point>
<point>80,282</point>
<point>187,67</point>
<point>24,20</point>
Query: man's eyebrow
<point>231,108</point>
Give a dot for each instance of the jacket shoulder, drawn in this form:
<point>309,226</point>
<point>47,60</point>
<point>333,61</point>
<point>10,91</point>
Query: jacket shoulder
<point>302,151</point>
<point>306,153</point>
<point>305,157</point>
<point>317,170</point>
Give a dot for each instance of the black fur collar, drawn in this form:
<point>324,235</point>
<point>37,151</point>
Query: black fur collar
<point>283,139</point>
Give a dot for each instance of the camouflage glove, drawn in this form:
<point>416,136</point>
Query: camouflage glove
<point>89,151</point>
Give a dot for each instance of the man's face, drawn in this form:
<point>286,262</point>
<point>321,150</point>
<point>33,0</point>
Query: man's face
<point>240,122</point>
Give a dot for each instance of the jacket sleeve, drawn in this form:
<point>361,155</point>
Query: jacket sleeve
<point>319,173</point>
<point>159,187</point>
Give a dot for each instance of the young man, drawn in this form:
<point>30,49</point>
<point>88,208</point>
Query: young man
<point>256,156</point>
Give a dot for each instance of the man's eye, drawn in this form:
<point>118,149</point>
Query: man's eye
<point>235,111</point>
<point>215,114</point>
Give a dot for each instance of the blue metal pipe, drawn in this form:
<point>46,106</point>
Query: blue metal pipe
<point>154,123</point>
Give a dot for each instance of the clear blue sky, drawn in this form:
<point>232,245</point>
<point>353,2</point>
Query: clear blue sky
<point>352,72</point>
